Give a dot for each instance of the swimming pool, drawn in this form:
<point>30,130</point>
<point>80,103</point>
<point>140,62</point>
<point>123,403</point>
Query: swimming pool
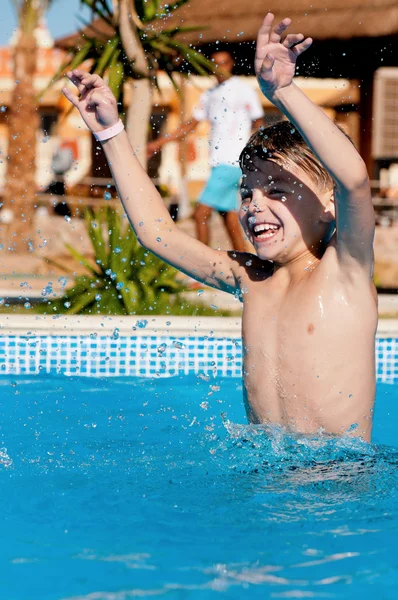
<point>118,486</point>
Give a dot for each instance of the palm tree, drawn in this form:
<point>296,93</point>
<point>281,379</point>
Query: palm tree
<point>130,42</point>
<point>23,123</point>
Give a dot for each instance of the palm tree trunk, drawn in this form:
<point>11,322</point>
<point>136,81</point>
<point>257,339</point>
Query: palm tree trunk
<point>139,111</point>
<point>23,122</point>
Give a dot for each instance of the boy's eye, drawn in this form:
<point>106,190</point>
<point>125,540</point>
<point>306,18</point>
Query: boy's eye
<point>276,191</point>
<point>245,193</point>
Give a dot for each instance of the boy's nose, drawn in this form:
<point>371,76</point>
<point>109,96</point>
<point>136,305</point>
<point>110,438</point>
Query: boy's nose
<point>256,202</point>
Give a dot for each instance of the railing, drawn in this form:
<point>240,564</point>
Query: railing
<point>386,208</point>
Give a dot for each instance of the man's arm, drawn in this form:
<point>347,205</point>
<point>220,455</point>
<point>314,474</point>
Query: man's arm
<point>179,134</point>
<point>144,206</point>
<point>275,65</point>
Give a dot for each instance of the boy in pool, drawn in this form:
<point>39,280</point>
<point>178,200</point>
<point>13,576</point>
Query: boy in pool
<point>310,307</point>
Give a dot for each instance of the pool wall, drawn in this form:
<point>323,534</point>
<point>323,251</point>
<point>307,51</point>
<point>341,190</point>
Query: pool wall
<point>143,346</point>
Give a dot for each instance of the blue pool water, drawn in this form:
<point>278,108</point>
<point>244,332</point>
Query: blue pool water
<point>127,488</point>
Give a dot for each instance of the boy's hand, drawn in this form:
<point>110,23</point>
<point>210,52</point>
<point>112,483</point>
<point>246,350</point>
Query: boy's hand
<point>275,60</point>
<point>96,102</point>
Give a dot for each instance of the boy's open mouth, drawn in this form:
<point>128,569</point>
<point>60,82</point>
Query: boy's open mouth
<point>265,231</point>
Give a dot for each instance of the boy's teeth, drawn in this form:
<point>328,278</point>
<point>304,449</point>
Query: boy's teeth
<point>264,227</point>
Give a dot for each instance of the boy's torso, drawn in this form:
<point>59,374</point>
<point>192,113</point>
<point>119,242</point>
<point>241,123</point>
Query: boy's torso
<point>309,350</point>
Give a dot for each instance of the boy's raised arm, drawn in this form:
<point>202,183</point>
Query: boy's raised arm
<point>275,65</point>
<point>144,206</point>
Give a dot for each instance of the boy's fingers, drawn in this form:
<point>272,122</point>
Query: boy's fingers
<point>76,80</point>
<point>263,39</point>
<point>95,98</point>
<point>300,48</point>
<point>70,96</point>
<point>91,81</point>
<point>292,39</point>
<point>79,73</point>
<point>268,62</point>
<point>278,30</point>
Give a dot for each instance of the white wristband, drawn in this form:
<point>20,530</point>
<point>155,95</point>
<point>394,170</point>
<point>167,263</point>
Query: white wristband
<point>110,132</point>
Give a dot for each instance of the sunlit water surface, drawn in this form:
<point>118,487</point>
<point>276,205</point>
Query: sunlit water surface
<point>127,488</point>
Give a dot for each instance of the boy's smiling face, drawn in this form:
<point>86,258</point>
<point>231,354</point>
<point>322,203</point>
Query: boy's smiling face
<point>283,211</point>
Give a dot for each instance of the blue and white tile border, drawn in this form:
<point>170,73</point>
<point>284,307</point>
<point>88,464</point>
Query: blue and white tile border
<point>142,346</point>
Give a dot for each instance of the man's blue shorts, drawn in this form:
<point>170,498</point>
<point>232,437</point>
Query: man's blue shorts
<point>221,190</point>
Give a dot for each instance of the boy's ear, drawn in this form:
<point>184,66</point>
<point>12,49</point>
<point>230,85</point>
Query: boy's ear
<point>329,212</point>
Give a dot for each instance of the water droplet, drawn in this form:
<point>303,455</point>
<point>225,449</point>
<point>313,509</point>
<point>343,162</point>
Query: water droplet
<point>3,108</point>
<point>158,239</point>
<point>67,304</point>
<point>142,323</point>
<point>204,377</point>
<point>353,427</point>
<point>178,345</point>
<point>98,297</point>
<point>200,292</point>
<point>119,285</point>
<point>115,334</point>
<point>107,196</point>
<point>46,291</point>
<point>162,348</point>
<point>27,305</point>
<point>117,250</point>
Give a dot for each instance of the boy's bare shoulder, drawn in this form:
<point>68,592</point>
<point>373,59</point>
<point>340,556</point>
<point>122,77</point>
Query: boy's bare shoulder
<point>249,267</point>
<point>354,284</point>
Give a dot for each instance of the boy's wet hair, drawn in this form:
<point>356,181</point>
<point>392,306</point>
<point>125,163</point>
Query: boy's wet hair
<point>282,144</point>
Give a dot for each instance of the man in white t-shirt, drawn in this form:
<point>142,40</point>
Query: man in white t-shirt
<point>233,109</point>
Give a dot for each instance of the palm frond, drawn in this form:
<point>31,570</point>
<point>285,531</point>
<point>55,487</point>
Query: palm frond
<point>81,259</point>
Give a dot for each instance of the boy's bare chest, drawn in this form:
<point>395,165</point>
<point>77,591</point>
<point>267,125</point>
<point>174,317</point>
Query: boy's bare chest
<point>306,321</point>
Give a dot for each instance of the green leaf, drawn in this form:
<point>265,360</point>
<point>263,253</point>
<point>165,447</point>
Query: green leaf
<point>56,264</point>
<point>110,49</point>
<point>80,56</point>
<point>150,9</point>
<point>81,259</point>
<point>82,302</point>
<point>130,295</point>
<point>116,75</point>
<point>113,222</point>
<point>94,223</point>
<point>102,12</point>
<point>110,304</point>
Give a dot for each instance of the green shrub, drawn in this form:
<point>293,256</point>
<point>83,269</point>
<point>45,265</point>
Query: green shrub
<point>125,279</point>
